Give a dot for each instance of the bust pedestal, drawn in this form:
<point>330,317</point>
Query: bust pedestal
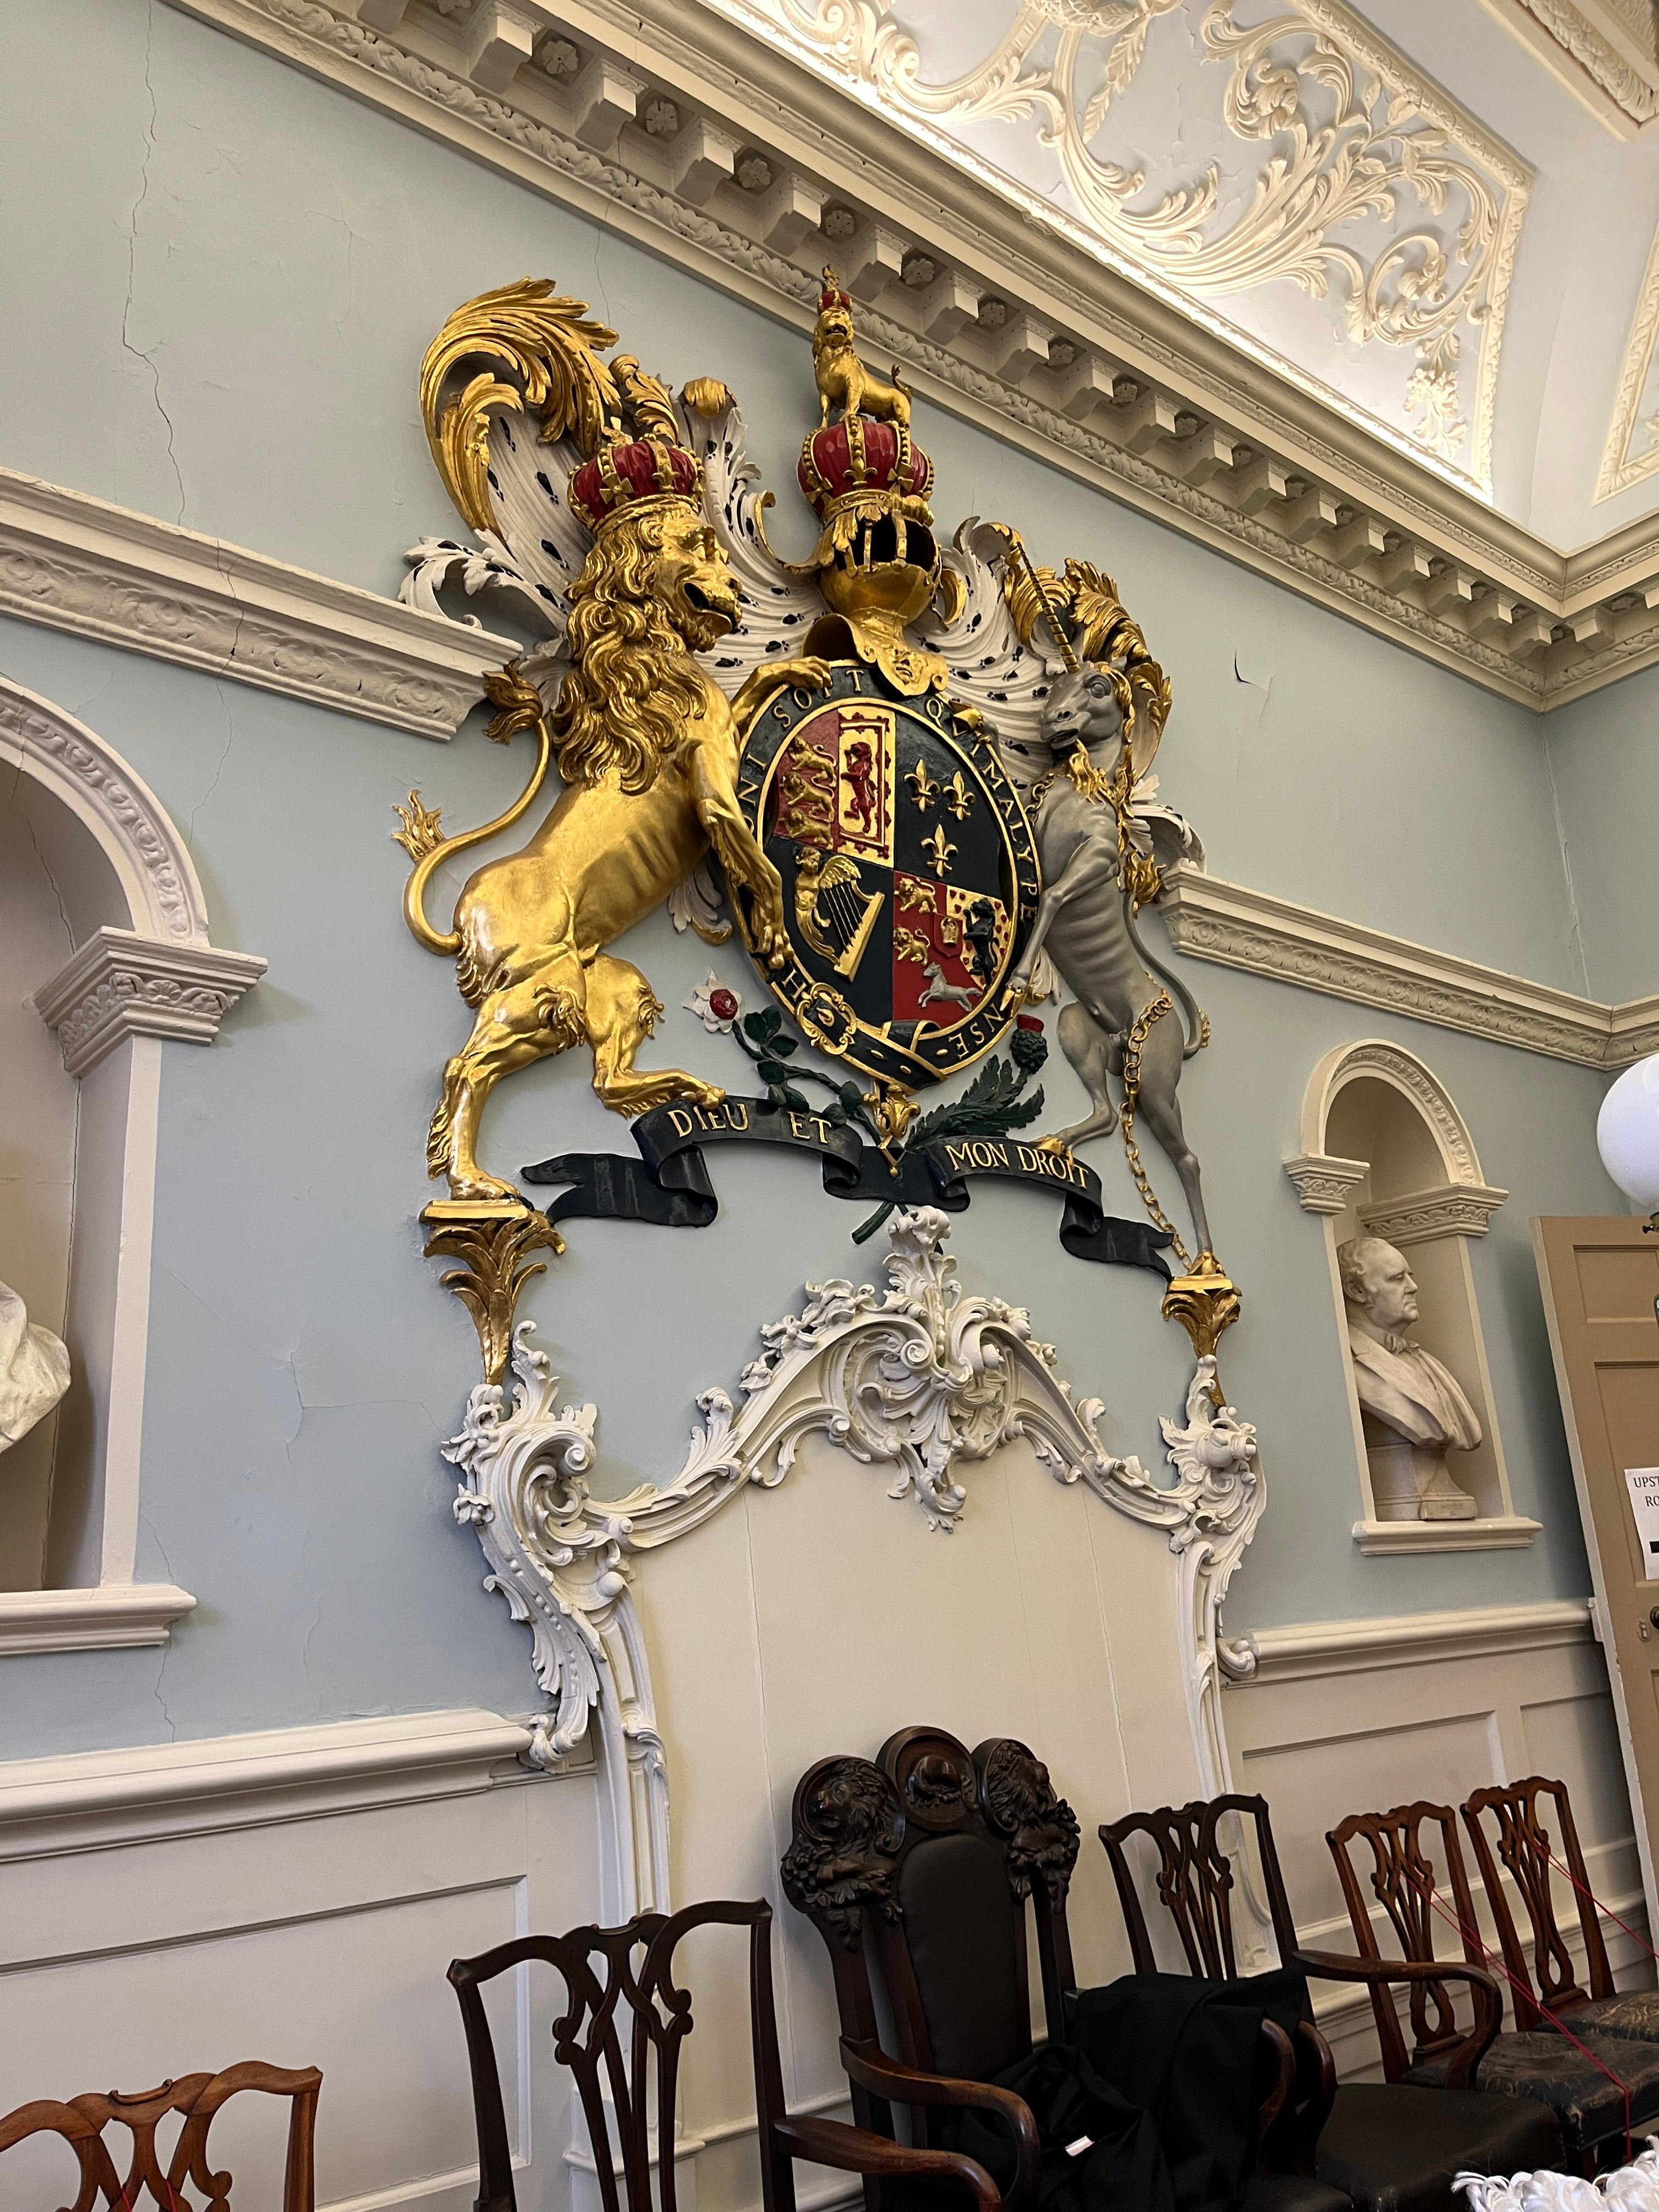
<point>1411,1482</point>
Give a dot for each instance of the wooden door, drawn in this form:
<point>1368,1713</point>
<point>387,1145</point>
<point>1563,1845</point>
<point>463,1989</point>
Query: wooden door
<point>1600,1284</point>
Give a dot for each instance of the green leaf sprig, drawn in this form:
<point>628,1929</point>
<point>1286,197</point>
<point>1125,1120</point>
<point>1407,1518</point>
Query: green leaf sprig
<point>762,1037</point>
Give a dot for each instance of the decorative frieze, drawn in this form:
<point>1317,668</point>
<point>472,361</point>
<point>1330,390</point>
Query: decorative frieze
<point>1418,1217</point>
<point>1325,1184</point>
<point>1270,936</point>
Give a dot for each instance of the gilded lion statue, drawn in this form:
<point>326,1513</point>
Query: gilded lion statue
<point>646,743</point>
<point>841,376</point>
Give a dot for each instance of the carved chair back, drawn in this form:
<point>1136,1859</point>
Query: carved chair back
<point>1195,1886</point>
<point>188,2179</point>
<point>624,2020</point>
<point>1403,1878</point>
<point>931,1852</point>
<point>1195,1882</point>
<point>1524,1842</point>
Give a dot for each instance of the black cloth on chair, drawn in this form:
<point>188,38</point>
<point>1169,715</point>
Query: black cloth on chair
<point>1159,2072</point>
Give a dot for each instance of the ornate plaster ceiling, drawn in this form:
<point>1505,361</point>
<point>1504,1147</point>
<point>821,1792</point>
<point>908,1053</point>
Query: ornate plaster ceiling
<point>1436,215</point>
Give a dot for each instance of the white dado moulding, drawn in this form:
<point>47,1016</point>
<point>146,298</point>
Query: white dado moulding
<point>152,973</point>
<point>919,1379</point>
<point>1440,1215</point>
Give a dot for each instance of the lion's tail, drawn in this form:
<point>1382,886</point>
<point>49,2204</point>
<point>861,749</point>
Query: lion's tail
<point>520,706</point>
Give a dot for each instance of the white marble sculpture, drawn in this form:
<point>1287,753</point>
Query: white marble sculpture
<point>34,1370</point>
<point>1414,1409</point>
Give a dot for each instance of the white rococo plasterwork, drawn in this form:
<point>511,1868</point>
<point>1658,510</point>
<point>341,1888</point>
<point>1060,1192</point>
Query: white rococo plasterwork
<point>1349,136</point>
<point>1637,398</point>
<point>1157,407</point>
<point>918,1378</point>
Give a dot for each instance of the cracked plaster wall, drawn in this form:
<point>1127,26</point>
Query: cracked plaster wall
<point>1604,758</point>
<point>291,254</point>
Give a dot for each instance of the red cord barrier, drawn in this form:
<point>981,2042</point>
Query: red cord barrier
<point>1605,1909</point>
<point>1471,1941</point>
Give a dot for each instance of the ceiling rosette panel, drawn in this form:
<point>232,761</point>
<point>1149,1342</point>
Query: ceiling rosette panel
<point>1286,176</point>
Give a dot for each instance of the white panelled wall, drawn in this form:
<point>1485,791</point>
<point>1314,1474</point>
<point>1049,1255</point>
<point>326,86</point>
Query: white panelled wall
<point>1358,1715</point>
<point>298,1894</point>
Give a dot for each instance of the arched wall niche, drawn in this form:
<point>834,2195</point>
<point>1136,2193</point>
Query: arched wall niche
<point>104,954</point>
<point>1386,1152</point>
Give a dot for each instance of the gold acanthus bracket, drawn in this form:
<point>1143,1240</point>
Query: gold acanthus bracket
<point>1206,1302</point>
<point>492,1238</point>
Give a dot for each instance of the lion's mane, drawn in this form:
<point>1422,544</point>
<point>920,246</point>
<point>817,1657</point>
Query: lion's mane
<point>632,685</point>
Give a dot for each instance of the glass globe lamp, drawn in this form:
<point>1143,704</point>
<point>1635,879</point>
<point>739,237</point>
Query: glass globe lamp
<point>1627,1133</point>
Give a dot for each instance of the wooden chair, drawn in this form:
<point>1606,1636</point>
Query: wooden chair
<point>83,2121</point>
<point>625,2019</point>
<point>1516,1815</point>
<point>1575,2084</point>
<point>922,1862</point>
<point>1390,2148</point>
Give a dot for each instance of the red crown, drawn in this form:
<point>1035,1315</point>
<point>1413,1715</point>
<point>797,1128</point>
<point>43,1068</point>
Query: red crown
<point>832,295</point>
<point>625,470</point>
<point>860,455</point>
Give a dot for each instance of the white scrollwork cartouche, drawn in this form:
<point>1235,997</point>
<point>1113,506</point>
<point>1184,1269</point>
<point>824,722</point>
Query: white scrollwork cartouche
<point>920,1376</point>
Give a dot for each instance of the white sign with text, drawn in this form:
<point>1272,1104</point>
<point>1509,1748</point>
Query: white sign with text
<point>1643,1483</point>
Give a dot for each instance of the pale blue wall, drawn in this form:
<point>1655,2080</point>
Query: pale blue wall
<point>1604,761</point>
<point>293,252</point>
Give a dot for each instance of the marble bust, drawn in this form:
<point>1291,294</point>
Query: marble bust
<point>34,1370</point>
<point>1414,1410</point>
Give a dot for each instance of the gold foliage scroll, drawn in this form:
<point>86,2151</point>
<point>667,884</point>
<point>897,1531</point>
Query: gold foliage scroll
<point>548,344</point>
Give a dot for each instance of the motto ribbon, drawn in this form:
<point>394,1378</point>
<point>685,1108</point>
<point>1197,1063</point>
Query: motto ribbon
<point>669,1185</point>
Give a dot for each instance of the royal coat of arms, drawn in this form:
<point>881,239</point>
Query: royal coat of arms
<point>843,759</point>
<point>909,874</point>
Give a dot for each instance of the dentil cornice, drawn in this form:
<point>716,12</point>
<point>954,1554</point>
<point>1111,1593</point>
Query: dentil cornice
<point>635,115</point>
<point>103,572</point>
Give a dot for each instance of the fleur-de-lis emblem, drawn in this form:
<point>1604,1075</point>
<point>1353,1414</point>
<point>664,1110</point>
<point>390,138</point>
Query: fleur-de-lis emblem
<point>940,851</point>
<point>958,797</point>
<point>923,788</point>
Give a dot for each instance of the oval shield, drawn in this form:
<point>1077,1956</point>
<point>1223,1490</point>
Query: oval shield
<point>909,874</point>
